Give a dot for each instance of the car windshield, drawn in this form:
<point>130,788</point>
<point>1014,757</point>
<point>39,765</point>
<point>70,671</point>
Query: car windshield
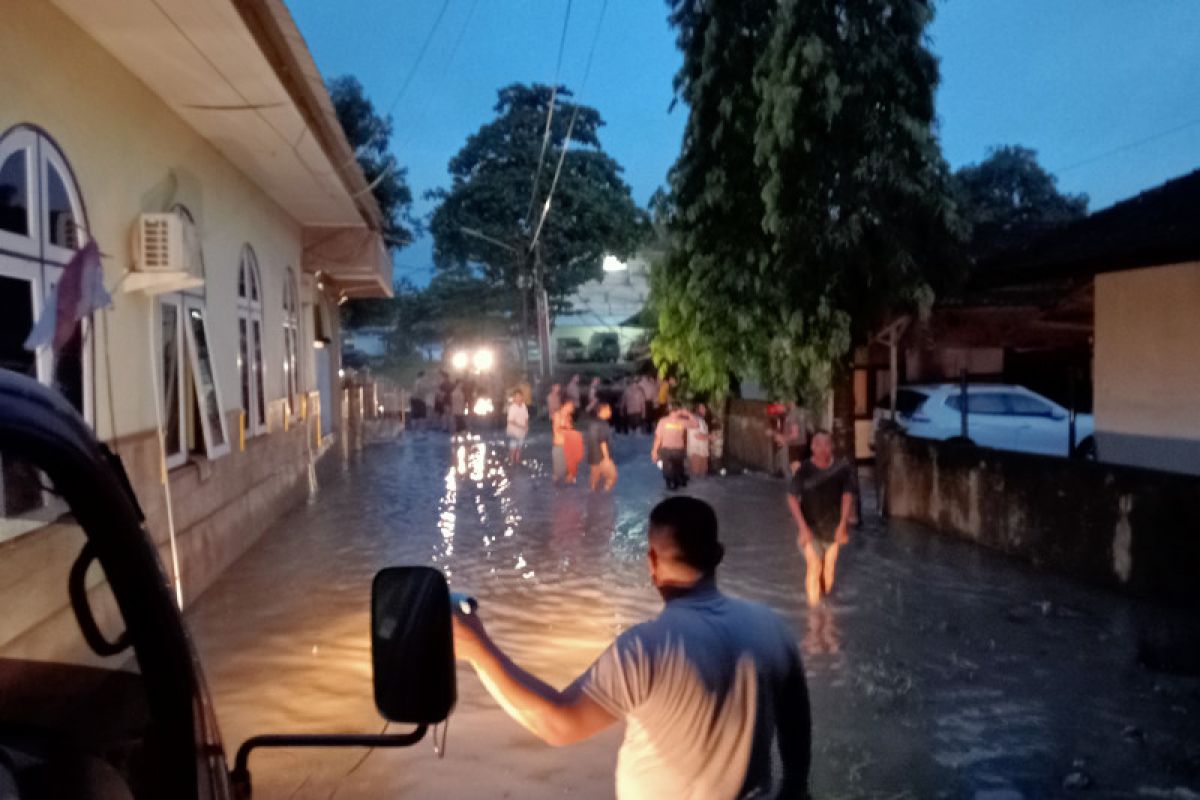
<point>907,401</point>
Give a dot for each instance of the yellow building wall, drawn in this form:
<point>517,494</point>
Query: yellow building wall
<point>131,154</point>
<point>1147,367</point>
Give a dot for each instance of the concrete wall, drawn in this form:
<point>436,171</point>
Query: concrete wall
<point>1147,371</point>
<point>1125,528</point>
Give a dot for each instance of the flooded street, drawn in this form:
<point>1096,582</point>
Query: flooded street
<point>937,670</point>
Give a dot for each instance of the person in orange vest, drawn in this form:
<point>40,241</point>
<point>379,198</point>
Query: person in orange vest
<point>670,444</point>
<point>561,423</point>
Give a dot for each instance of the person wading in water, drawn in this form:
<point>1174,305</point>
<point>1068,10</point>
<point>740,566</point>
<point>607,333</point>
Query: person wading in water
<point>821,497</point>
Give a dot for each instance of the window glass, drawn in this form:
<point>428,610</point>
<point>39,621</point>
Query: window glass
<point>261,395</point>
<point>14,194</point>
<point>170,376</point>
<point>244,366</point>
<point>68,369</point>
<point>907,401</point>
<point>206,384</point>
<point>979,403</point>
<point>16,320</point>
<point>61,228</point>
<point>1027,406</point>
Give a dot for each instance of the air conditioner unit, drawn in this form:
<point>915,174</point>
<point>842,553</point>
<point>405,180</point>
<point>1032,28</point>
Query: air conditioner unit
<point>158,244</point>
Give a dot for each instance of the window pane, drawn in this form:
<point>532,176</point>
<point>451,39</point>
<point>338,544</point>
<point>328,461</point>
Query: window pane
<point>244,365</point>
<point>14,194</point>
<point>242,280</point>
<point>261,404</point>
<point>60,217</point>
<point>16,319</point>
<point>983,403</point>
<point>1027,406</point>
<point>20,494</point>
<point>206,386</point>
<point>170,377</point>
<point>68,369</point>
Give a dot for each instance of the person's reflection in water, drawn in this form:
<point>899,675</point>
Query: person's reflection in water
<point>821,636</point>
<point>712,690</point>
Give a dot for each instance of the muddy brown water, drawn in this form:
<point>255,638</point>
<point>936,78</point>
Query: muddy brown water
<point>937,670</point>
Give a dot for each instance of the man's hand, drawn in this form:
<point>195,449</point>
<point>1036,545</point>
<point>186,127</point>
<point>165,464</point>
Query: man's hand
<point>470,637</point>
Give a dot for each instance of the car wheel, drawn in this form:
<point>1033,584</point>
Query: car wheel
<point>1086,450</point>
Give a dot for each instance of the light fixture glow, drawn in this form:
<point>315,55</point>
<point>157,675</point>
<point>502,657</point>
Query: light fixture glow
<point>614,264</point>
<point>460,360</point>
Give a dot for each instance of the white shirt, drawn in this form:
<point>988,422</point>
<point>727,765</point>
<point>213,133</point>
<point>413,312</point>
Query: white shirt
<point>518,420</point>
<point>697,439</point>
<point>703,688</point>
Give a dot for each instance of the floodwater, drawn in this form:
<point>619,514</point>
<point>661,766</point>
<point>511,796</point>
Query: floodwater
<point>937,669</point>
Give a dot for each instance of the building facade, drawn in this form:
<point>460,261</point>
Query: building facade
<point>122,113</point>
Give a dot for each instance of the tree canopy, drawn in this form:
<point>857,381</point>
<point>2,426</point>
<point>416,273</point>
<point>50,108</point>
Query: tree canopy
<point>370,135</point>
<point>810,189</point>
<point>492,192</point>
<point>1009,195</point>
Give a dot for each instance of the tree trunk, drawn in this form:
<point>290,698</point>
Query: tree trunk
<point>843,409</point>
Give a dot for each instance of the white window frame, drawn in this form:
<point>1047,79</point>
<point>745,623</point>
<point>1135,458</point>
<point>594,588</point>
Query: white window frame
<point>250,313</point>
<point>182,365</point>
<point>195,311</point>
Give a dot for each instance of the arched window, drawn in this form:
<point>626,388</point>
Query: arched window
<point>250,344</point>
<point>42,224</point>
<point>291,342</point>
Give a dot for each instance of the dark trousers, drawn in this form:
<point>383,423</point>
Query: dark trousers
<point>674,469</point>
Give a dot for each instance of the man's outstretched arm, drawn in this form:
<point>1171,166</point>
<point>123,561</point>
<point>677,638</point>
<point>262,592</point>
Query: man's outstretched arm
<point>556,717</point>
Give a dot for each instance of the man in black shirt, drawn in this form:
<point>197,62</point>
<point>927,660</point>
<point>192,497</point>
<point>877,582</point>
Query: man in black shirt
<point>820,497</point>
<point>599,450</point>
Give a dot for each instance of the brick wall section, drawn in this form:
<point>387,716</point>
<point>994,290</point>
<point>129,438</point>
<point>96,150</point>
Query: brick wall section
<point>1128,529</point>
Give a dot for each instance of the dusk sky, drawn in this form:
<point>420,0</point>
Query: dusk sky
<point>1105,90</point>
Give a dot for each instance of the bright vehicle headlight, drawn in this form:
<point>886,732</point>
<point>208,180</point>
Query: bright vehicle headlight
<point>483,360</point>
<point>460,360</point>
<point>484,406</point>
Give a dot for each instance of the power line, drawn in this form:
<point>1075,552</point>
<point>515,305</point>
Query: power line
<point>537,173</point>
<point>562,156</point>
<point>1129,146</point>
<point>412,73</point>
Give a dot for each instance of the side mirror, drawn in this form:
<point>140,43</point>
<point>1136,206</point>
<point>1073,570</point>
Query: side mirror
<point>412,645</point>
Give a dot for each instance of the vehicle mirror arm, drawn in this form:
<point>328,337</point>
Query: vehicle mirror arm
<point>241,769</point>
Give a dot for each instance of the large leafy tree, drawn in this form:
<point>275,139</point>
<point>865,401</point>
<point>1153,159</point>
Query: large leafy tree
<point>811,198</point>
<point>370,134</point>
<point>1009,195</point>
<point>492,192</point>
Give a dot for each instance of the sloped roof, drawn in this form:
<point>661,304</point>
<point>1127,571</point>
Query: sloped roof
<point>1159,226</point>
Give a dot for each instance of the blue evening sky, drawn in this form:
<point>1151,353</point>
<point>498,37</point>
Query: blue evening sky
<point>1107,91</point>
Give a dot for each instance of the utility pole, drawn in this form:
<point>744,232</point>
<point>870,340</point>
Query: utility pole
<point>543,310</point>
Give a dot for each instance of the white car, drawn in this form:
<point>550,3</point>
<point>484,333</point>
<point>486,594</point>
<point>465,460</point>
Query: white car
<point>1000,416</point>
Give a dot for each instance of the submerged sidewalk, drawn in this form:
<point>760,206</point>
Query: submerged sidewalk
<point>937,670</point>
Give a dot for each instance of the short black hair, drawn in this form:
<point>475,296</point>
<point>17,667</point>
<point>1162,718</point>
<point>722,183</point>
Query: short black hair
<point>693,525</point>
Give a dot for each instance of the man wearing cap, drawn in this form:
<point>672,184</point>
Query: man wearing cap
<point>712,689</point>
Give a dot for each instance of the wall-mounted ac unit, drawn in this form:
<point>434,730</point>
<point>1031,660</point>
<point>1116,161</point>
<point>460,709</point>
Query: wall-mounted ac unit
<point>158,244</point>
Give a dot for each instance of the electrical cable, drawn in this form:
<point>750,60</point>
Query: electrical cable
<point>537,173</point>
<point>570,127</point>
<point>412,72</point>
<point>1129,146</point>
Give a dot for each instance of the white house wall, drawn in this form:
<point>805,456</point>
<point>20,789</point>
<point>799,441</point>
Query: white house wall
<point>132,154</point>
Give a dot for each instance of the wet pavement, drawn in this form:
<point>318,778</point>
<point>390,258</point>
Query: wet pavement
<point>937,669</point>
